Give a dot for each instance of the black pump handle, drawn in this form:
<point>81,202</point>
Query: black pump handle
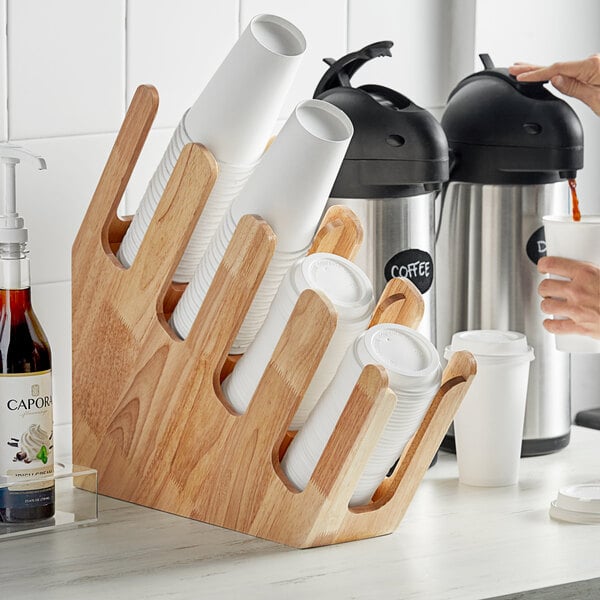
<point>487,61</point>
<point>341,71</point>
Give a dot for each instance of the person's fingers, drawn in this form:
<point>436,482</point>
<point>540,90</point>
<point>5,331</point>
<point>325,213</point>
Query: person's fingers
<point>581,314</point>
<point>539,73</point>
<point>556,306</point>
<point>588,94</point>
<point>554,288</point>
<point>522,67</point>
<point>562,326</point>
<point>557,266</point>
<point>586,71</point>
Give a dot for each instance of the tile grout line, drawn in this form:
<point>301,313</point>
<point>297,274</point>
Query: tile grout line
<point>347,26</point>
<point>125,71</point>
<point>126,51</point>
<point>6,132</point>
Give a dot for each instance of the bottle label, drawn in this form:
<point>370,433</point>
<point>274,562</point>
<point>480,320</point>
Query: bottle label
<point>26,435</point>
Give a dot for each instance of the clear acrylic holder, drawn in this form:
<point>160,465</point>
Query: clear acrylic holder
<point>76,491</point>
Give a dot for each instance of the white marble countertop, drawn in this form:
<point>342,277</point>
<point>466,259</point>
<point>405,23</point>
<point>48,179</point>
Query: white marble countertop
<point>455,542</point>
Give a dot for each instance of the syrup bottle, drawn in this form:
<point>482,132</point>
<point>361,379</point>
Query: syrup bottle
<point>26,425</point>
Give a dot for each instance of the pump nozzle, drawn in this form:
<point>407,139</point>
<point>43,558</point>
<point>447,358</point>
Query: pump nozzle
<point>12,228</point>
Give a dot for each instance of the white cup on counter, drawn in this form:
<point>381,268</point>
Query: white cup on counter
<point>351,294</point>
<point>414,372</point>
<point>488,426</point>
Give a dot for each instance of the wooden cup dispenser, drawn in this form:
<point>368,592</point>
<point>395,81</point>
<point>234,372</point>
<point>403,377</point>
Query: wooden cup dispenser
<point>148,411</point>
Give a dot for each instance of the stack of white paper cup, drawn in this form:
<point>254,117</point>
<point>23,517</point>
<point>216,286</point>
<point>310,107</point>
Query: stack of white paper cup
<point>351,294</point>
<point>577,240</point>
<point>488,426</point>
<point>234,118</point>
<point>414,371</point>
<point>288,189</point>
<point>230,181</point>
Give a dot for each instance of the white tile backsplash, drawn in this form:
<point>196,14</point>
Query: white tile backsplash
<point>69,68</point>
<point>420,32</point>
<point>537,31</point>
<point>54,201</point>
<point>52,305</point>
<point>324,25</point>
<point>66,61</point>
<point>177,46</point>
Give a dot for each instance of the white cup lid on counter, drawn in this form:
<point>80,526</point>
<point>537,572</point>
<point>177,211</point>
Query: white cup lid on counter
<point>491,343</point>
<point>577,504</point>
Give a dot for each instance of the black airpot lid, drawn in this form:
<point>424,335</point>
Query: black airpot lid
<point>398,148</point>
<point>503,131</point>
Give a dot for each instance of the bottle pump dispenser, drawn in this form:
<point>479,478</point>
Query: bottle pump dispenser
<point>13,234</point>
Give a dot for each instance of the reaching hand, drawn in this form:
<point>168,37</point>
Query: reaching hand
<point>577,299</point>
<point>579,78</point>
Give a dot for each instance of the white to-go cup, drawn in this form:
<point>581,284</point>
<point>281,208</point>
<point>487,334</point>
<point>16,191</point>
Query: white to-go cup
<point>488,427</point>
<point>414,372</point>
<point>351,294</point>
<point>577,240</point>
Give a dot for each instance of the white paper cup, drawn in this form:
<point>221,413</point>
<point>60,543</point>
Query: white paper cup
<point>236,112</point>
<point>351,294</point>
<point>488,426</point>
<point>290,186</point>
<point>577,240</point>
<point>234,118</point>
<point>303,453</point>
<point>414,372</point>
<point>288,189</point>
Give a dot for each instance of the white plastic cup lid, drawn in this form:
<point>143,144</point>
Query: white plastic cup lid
<point>346,285</point>
<point>491,343</point>
<point>409,357</point>
<point>577,504</point>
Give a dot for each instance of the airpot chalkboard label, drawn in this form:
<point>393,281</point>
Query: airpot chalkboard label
<point>413,264</point>
<point>536,245</point>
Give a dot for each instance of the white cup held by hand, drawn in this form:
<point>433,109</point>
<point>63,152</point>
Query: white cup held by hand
<point>577,240</point>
